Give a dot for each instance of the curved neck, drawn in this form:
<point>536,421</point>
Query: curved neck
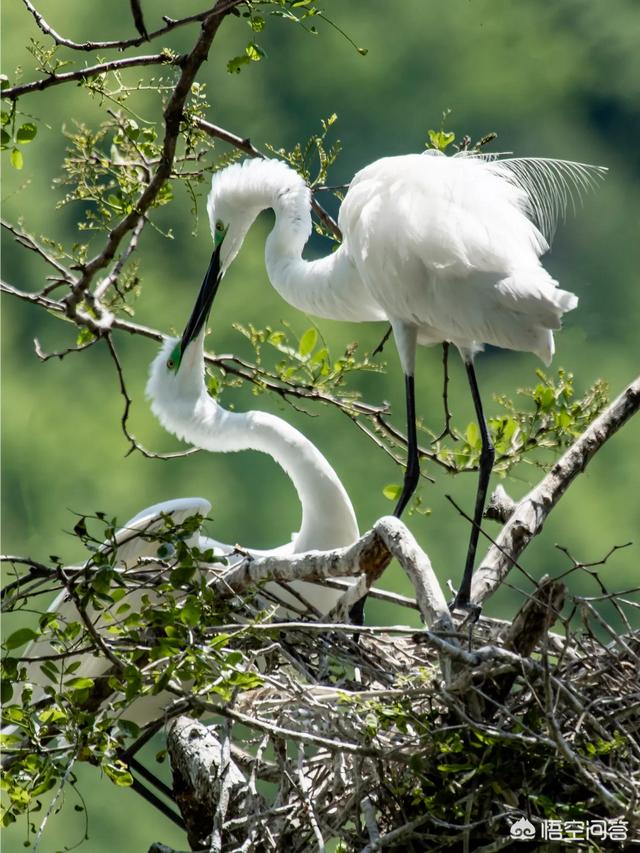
<point>328,519</point>
<point>329,287</point>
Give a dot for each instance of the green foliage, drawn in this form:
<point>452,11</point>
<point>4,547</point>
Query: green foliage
<point>305,363</point>
<point>301,156</point>
<point>14,134</point>
<point>157,623</point>
<point>531,433</point>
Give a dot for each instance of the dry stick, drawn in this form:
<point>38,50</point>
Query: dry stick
<point>531,512</point>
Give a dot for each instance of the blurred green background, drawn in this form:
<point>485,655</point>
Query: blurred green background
<point>553,79</point>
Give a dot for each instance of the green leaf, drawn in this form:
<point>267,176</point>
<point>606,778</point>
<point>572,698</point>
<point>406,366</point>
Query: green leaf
<point>392,491</point>
<point>472,435</point>
<point>5,139</point>
<point>5,117</point>
<point>20,638</point>
<point>6,691</point>
<point>254,52</point>
<point>234,66</point>
<point>308,341</point>
<point>26,133</point>
<point>80,683</point>
<point>440,139</point>
<point>181,575</point>
<point>17,161</point>
<point>191,612</point>
<point>119,773</point>
<point>257,23</point>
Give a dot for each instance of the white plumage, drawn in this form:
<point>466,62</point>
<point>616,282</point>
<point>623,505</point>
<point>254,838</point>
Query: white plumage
<point>447,249</point>
<point>180,401</point>
<point>183,406</point>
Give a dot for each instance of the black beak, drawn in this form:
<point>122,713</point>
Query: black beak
<point>204,301</point>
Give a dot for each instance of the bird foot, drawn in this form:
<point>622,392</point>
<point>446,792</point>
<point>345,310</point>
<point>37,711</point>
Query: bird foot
<point>471,611</point>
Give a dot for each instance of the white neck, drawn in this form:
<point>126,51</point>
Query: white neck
<point>185,409</point>
<point>328,287</point>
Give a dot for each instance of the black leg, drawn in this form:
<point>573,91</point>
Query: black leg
<point>134,766</point>
<point>487,456</point>
<point>412,471</point>
<point>411,476</point>
<point>159,804</point>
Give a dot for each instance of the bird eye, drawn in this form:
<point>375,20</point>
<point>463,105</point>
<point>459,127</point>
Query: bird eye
<point>219,226</point>
<point>171,364</point>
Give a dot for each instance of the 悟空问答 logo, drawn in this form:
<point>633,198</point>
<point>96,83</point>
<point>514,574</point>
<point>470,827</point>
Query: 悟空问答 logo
<point>522,830</point>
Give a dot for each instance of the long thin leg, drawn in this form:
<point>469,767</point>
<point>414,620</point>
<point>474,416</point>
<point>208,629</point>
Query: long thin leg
<point>159,804</point>
<point>487,456</point>
<point>412,471</point>
<point>411,476</point>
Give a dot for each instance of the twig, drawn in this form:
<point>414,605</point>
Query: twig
<point>29,242</point>
<point>121,44</point>
<point>445,397</point>
<point>45,356</point>
<point>247,147</point>
<point>124,418</point>
<point>532,511</point>
<point>15,92</point>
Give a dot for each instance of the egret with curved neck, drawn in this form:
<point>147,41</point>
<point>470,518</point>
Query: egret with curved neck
<point>447,249</point>
<point>181,402</point>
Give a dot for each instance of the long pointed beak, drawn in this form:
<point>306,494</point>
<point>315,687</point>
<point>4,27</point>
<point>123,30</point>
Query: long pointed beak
<point>204,301</point>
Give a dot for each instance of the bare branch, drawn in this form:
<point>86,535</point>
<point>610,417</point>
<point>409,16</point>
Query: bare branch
<point>29,242</point>
<point>15,92</point>
<point>531,512</point>
<point>121,44</point>
<point>124,418</point>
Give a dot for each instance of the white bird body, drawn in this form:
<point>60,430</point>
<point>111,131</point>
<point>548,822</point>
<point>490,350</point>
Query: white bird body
<point>443,244</point>
<point>447,249</point>
<point>184,407</point>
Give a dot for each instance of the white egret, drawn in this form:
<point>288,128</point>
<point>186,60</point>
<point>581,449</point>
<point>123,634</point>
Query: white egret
<point>180,401</point>
<point>445,248</point>
<point>178,395</point>
<point>133,542</point>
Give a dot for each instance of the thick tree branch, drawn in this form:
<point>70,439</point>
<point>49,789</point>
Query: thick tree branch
<point>369,556</point>
<point>531,512</point>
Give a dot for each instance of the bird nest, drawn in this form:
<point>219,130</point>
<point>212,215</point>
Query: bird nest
<point>300,734</point>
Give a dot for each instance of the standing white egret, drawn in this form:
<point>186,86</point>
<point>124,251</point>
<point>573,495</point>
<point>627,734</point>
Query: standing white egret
<point>445,248</point>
